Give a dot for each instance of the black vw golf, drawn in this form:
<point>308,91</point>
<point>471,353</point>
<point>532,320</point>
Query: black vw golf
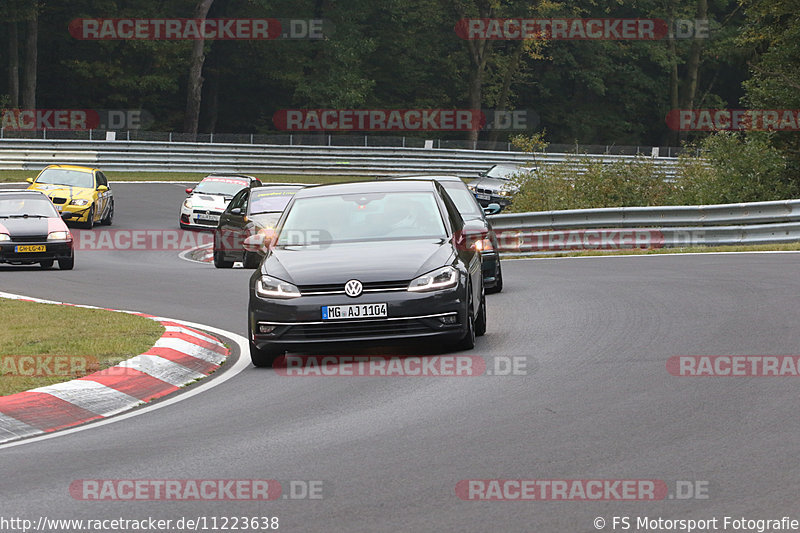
<point>366,261</point>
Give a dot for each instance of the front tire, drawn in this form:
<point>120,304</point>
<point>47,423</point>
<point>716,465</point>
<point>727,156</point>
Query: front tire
<point>251,260</point>
<point>467,342</point>
<point>89,224</point>
<point>498,285</point>
<point>480,321</point>
<point>66,263</point>
<point>220,262</point>
<point>109,218</point>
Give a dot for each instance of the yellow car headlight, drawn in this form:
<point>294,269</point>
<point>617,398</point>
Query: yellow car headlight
<point>79,201</point>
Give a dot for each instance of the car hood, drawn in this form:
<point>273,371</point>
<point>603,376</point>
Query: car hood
<point>494,184</point>
<point>31,227</point>
<point>209,201</point>
<point>368,262</point>
<point>63,191</point>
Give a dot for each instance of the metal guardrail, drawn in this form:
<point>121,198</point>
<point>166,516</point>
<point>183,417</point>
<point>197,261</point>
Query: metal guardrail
<point>648,227</point>
<point>34,154</point>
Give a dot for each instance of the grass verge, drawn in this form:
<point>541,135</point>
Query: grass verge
<point>18,176</point>
<point>789,247</point>
<point>43,330</point>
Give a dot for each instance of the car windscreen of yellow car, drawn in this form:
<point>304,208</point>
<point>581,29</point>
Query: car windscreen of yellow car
<point>68,178</point>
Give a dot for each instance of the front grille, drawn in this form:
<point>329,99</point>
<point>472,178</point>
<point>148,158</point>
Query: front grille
<point>485,191</point>
<point>338,288</point>
<point>58,200</point>
<point>28,238</point>
<point>366,328</point>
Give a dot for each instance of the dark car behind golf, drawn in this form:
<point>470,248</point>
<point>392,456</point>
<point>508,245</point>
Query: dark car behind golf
<point>249,212</point>
<point>370,262</point>
<point>473,214</point>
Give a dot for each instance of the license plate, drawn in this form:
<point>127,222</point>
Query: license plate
<point>482,196</point>
<point>29,248</point>
<point>213,218</point>
<point>344,312</point>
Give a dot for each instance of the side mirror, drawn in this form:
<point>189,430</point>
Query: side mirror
<point>29,180</point>
<point>189,190</point>
<point>66,215</point>
<point>102,188</point>
<point>492,209</point>
<point>258,243</point>
<point>236,211</point>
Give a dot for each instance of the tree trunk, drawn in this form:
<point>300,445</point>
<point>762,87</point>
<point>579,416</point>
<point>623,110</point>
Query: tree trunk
<point>194,89</point>
<point>502,100</point>
<point>13,65</point>
<point>693,63</point>
<point>31,60</point>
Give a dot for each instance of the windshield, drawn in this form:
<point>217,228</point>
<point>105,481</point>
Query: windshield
<point>269,201</point>
<point>71,178</point>
<point>225,186</point>
<point>37,207</point>
<point>463,198</point>
<point>502,172</point>
<point>364,217</point>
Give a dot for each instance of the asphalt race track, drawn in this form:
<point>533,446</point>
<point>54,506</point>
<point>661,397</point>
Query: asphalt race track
<point>597,403</point>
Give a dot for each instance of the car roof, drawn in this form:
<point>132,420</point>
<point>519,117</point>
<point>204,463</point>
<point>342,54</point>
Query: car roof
<point>230,175</point>
<point>73,167</point>
<point>22,192</point>
<point>356,187</point>
<point>436,177</point>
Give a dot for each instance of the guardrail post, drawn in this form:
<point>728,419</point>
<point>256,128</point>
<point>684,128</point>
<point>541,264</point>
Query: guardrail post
<point>404,140</point>
<point>329,140</point>
<point>211,139</point>
<point>44,133</point>
<point>90,134</point>
<point>170,136</point>
<point>251,138</point>
<point>365,140</point>
<point>291,139</point>
<point>1,132</point>
<point>129,135</point>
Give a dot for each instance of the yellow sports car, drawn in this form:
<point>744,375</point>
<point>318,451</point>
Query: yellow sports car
<point>82,191</point>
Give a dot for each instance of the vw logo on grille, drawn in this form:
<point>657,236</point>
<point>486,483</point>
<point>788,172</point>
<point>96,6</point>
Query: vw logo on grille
<point>353,288</point>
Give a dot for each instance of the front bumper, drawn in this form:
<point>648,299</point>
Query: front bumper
<point>298,322</point>
<point>54,250</point>
<point>189,217</point>
<point>80,213</point>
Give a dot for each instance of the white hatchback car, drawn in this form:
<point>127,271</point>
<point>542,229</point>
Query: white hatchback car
<point>209,198</point>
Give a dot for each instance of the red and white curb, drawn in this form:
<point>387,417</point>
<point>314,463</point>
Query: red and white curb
<point>181,356</point>
<point>199,254</point>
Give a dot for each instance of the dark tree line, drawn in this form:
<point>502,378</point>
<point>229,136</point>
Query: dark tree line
<point>405,54</point>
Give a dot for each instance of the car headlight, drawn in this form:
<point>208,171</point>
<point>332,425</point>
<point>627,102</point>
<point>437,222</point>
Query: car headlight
<point>187,203</point>
<point>58,236</point>
<point>484,246</point>
<point>270,287</point>
<point>441,278</point>
<point>504,193</point>
<point>5,237</point>
<point>79,202</point>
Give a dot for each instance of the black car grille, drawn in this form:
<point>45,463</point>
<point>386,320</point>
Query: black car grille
<point>58,200</point>
<point>485,191</point>
<point>369,286</point>
<point>366,328</point>
<point>28,238</point>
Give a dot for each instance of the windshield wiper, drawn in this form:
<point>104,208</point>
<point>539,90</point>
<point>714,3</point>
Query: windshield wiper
<point>27,215</point>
